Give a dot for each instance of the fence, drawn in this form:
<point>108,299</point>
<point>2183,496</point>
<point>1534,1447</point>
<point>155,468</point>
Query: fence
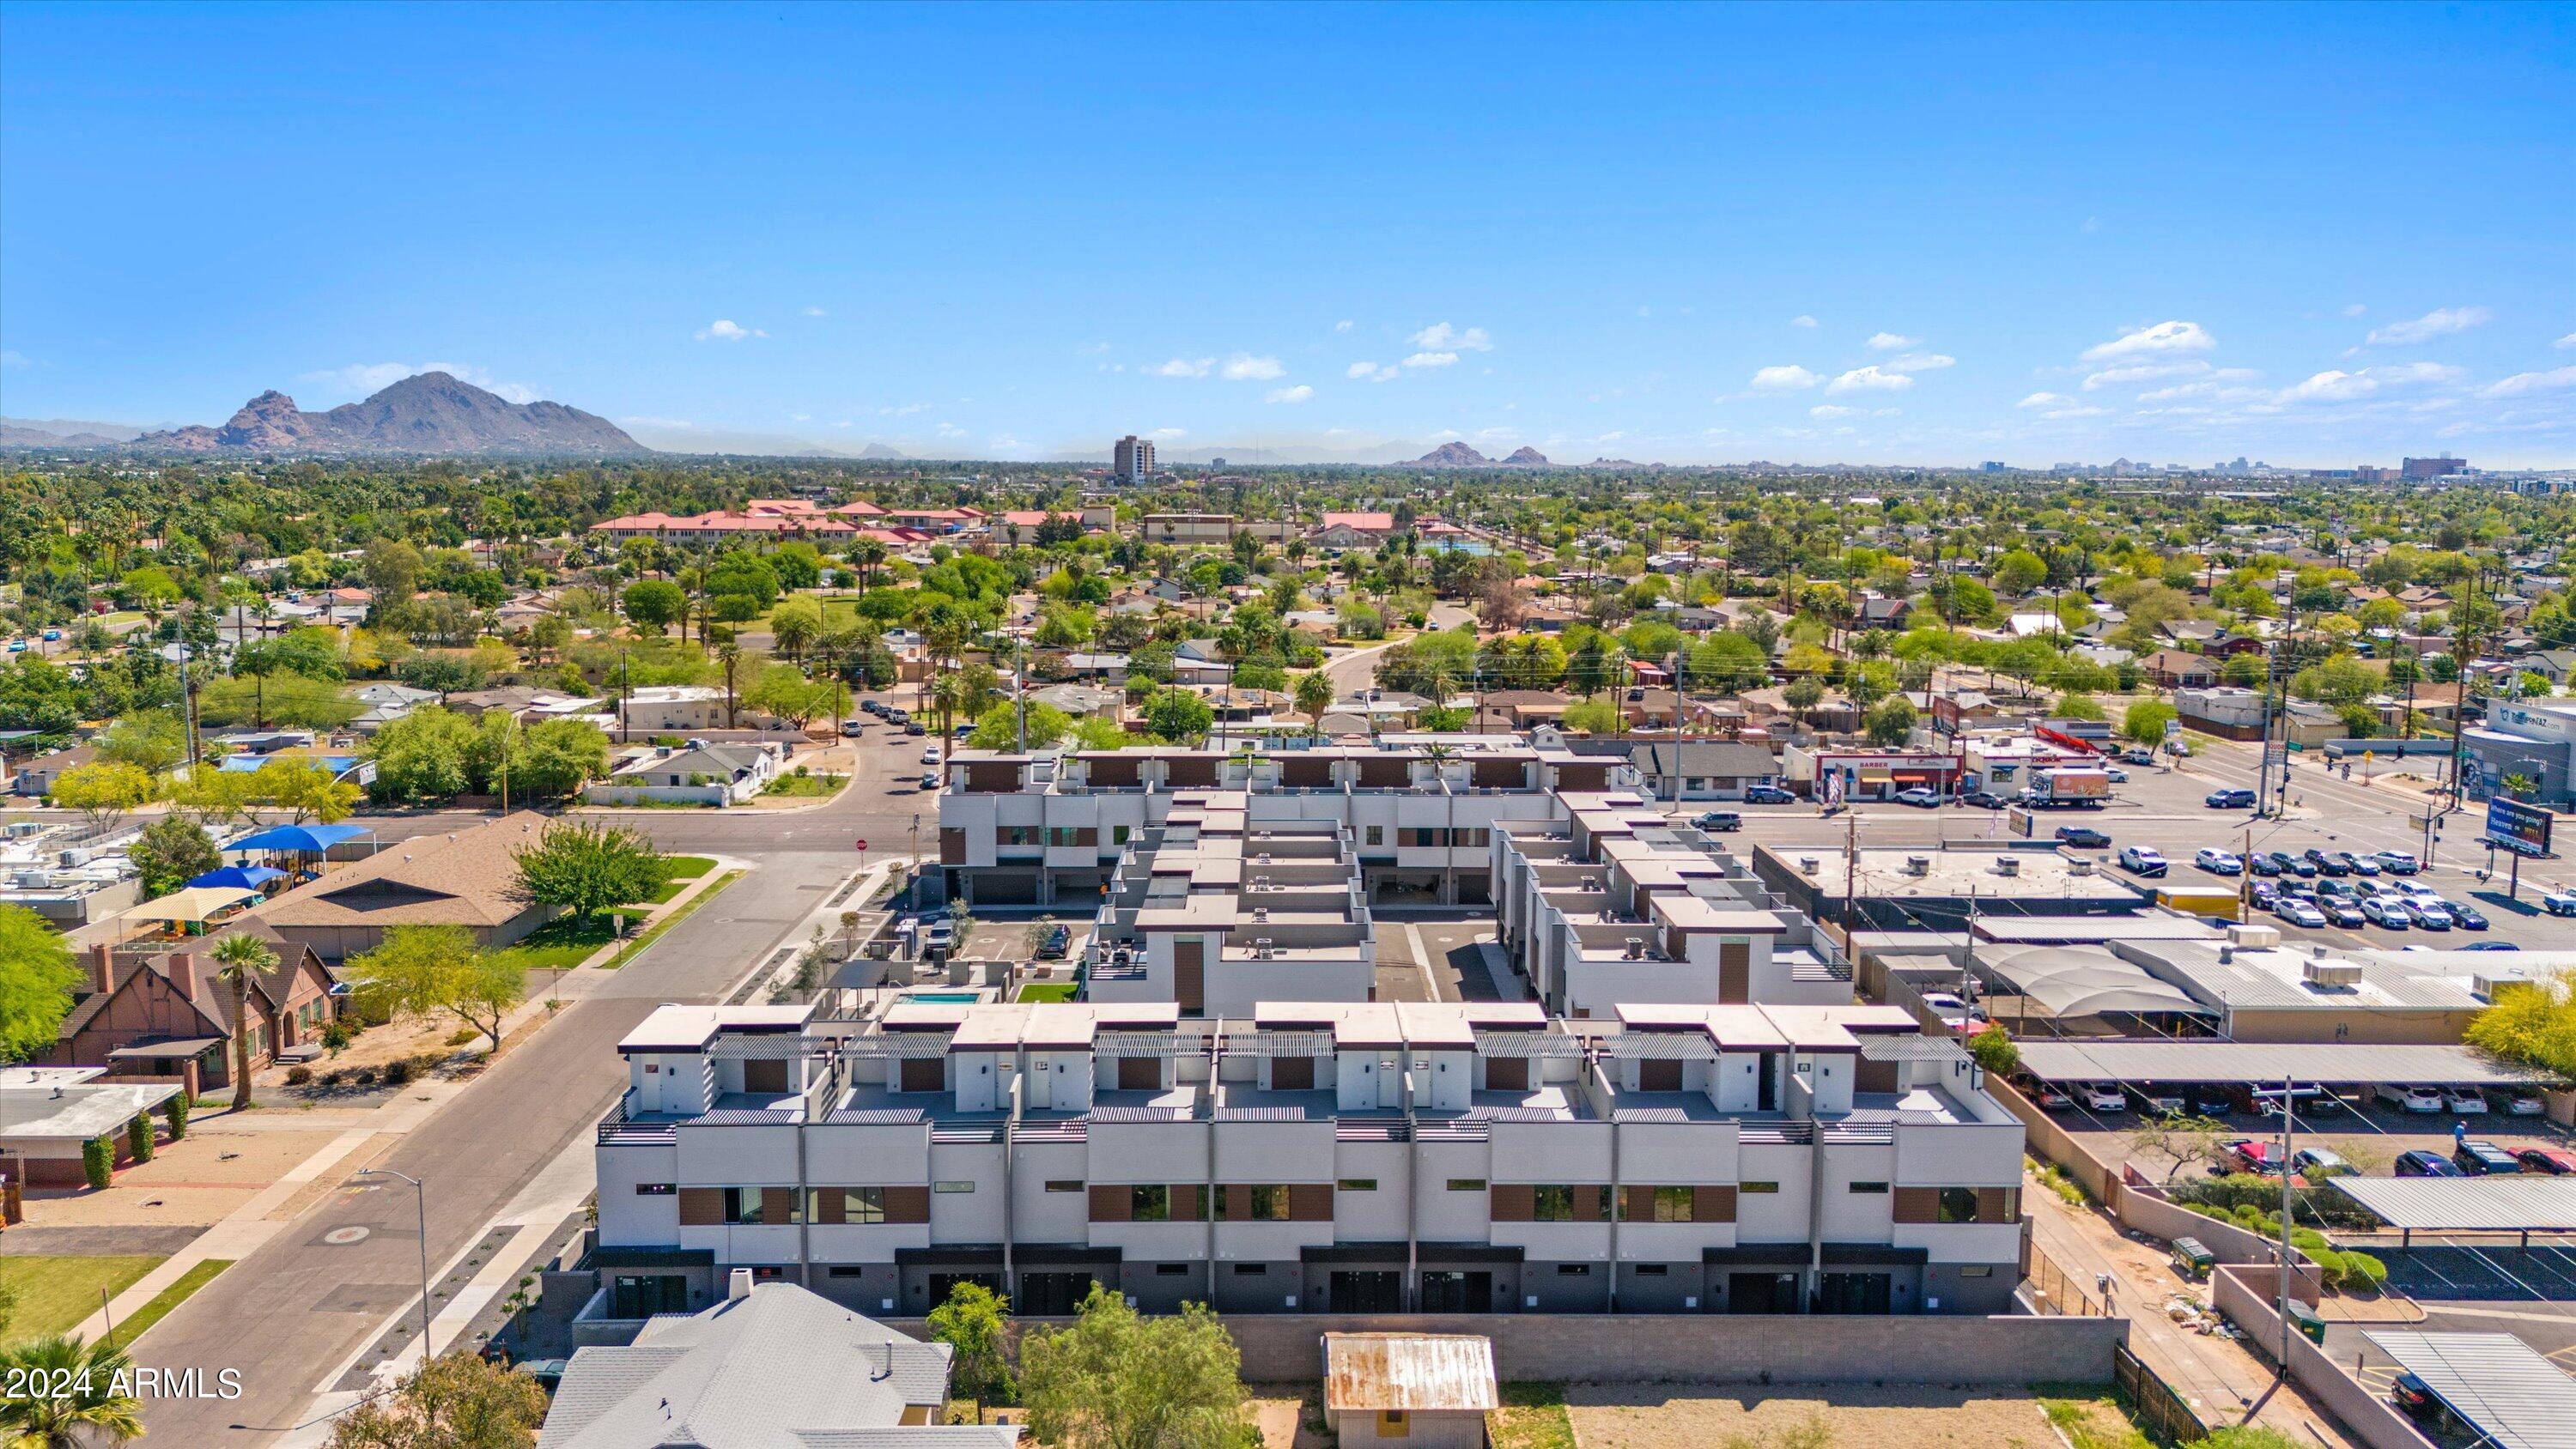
<point>2056,1293</point>
<point>2152,1402</point>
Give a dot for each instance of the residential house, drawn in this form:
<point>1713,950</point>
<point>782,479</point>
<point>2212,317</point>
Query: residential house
<point>465,878</point>
<point>726,774</point>
<point>36,777</point>
<point>163,1009</point>
<point>50,1115</point>
<point>673,709</point>
<point>383,702</point>
<point>1702,769</point>
<point>1200,661</point>
<point>1352,530</point>
<point>2177,669</point>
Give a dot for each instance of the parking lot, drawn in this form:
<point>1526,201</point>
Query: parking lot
<point>2369,1137</point>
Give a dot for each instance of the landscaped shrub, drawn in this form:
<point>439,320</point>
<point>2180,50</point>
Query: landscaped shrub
<point>362,1076</point>
<point>98,1161</point>
<point>176,1114</point>
<point>138,1137</point>
<point>298,1075</point>
<point>398,1072</point>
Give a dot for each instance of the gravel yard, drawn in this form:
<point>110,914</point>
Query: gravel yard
<point>1684,1416</point>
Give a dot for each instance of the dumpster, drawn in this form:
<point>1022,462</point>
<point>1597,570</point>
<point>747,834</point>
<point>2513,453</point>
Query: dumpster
<point>2192,1258</point>
<point>2307,1321</point>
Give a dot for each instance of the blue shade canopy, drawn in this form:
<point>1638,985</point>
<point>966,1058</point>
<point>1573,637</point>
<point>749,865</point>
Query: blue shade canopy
<point>311,839</point>
<point>248,877</point>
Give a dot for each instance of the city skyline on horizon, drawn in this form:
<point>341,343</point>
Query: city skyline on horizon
<point>1763,233</point>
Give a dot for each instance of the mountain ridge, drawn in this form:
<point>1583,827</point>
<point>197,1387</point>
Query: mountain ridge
<point>429,412</point>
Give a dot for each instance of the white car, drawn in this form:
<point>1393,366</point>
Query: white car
<point>2299,913</point>
<point>2464,1102</point>
<point>930,756</point>
<point>1955,1014</point>
<point>2523,1102</point>
<point>2430,913</point>
<point>2102,1096</point>
<point>2408,1099</point>
<point>2218,862</point>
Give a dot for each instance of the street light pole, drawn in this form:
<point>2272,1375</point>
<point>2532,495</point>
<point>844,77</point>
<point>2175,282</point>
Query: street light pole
<point>420,1198</point>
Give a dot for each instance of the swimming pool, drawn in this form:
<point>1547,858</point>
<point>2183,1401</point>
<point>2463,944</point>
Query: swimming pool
<point>968,998</point>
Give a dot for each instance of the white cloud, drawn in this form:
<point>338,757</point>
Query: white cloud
<point>1171,432</point>
<point>674,424</point>
<point>1343,326</point>
<point>1922,362</point>
<point>1441,337</point>
<point>2440,322</point>
<point>1889,341</point>
<point>1431,359</point>
<point>361,379</point>
<point>2354,309</point>
<point>816,312</point>
<point>1369,370</point>
<point>2145,341</point>
<point>951,430</point>
<point>2523,382</point>
<point>1186,367</point>
<point>12,357</point>
<point>1296,394</point>
<point>1832,410</point>
<point>800,417</point>
<point>2040,400</point>
<point>2058,405</point>
<point>2567,341</point>
<point>1870,379</point>
<point>2091,225</point>
<point>1788,378</point>
<point>1802,320</point>
<point>1244,367</point>
<point>725,330</point>
<point>2335,385</point>
<point>2146,372</point>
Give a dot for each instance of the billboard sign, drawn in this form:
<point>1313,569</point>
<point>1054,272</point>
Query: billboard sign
<point>2520,828</point>
<point>2017,821</point>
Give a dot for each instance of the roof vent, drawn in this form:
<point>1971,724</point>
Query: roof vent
<point>2227,955</point>
<point>1261,913</point>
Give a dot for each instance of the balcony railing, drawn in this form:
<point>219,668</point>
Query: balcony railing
<point>616,1128</point>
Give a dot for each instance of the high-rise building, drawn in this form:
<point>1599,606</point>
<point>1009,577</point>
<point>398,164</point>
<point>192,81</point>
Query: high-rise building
<point>1132,458</point>
<point>2435,467</point>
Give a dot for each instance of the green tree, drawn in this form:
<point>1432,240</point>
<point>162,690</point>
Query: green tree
<point>972,1322</point>
<point>153,741</point>
<point>2077,706</point>
<point>1314,695</point>
<point>1117,1380</point>
<point>444,673</point>
<point>280,699</point>
<point>102,790</point>
<point>1889,723</point>
<point>653,604</point>
<point>588,869</point>
<point>240,959</point>
<point>458,1400</point>
<point>998,728</point>
<point>783,692</point>
<point>2534,1024</point>
<point>2143,723</point>
<point>1801,695</point>
<point>307,792</point>
<point>794,625</point>
<point>38,975</point>
<point>173,850</point>
<point>77,1394</point>
<point>557,757</point>
<point>1178,715</point>
<point>1994,1050</point>
<point>1595,716</point>
<point>421,971</point>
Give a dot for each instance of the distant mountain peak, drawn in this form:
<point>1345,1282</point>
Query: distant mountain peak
<point>1453,455</point>
<point>1526,457</point>
<point>428,412</point>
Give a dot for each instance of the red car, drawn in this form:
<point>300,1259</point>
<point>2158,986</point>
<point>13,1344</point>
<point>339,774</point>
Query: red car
<point>2255,1155</point>
<point>2555,1160</point>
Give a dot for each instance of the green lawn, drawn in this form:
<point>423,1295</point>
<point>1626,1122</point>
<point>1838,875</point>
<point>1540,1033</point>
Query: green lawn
<point>688,867</point>
<point>809,787</point>
<point>55,1294</point>
<point>1532,1417</point>
<point>561,944</point>
<point>128,1330</point>
<point>1047,991</point>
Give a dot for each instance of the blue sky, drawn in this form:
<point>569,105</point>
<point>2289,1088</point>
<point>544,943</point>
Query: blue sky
<point>1934,234</point>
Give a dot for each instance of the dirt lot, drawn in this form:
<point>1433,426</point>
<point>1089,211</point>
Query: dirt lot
<point>1682,1416</point>
<point>195,1181</point>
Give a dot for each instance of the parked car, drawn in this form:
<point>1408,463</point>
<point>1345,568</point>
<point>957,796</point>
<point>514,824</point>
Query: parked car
<point>2158,1098</point>
<point>1054,944</point>
<point>929,780</point>
<point>2264,894</point>
<point>2136,756</point>
<point>2424,1164</point>
<point>2142,860</point>
<point>1955,1013</point>
<point>2429,912</point>
<point>2047,1096</point>
<point>2464,1102</point>
<point>2388,912</point>
<point>2341,913</point>
<point>2479,1158</point>
<point>1919,797</point>
<point>2299,913</point>
<point>2102,1096</point>
<point>1717,820</point>
<point>2415,1397</point>
<point>930,756</point>
<point>2319,1162</point>
<point>2082,837</point>
<point>875,707</point>
<point>2364,865</point>
<point>1767,795</point>
<point>2255,1154</point>
<point>2218,862</point>
<point>2555,1161</point>
<point>2263,864</point>
<point>2293,865</point>
<point>2115,774</point>
<point>2336,890</point>
<point>853,726</point>
<point>2520,1101</point>
<point>2324,862</point>
<point>2407,1099</point>
<point>914,727</point>
<point>939,935</point>
<point>2178,747</point>
<point>2215,1099</point>
<point>2559,903</point>
<point>2229,799</point>
<point>2398,862</point>
<point>2491,946</point>
<point>1984,800</point>
<point>2464,916</point>
<point>2312,1101</point>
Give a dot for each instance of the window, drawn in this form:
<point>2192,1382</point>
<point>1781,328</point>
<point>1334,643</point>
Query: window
<point>1250,1270</point>
<point>1015,835</point>
<point>1878,1187</point>
<point>1675,1204</point>
<point>1958,1205</point>
<point>1170,1270</point>
<point>1757,1187</point>
<point>1574,1270</point>
<point>952,1187</point>
<point>1557,1203</point>
<point>1118,834</point>
<point>656,1189</point>
<point>857,1204</point>
<point>748,1207</point>
<point>1058,1184</point>
<point>1149,1203</point>
<point>1977,1270</point>
<point>1466,1184</point>
<point>1269,1203</point>
<point>1653,1270</point>
<point>1391,1424</point>
<point>1061,835</point>
<point>1357,1184</point>
<point>849,1272</point>
<point>1377,835</point>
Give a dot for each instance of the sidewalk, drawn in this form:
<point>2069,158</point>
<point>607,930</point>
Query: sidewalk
<point>265,1216</point>
<point>2219,1378</point>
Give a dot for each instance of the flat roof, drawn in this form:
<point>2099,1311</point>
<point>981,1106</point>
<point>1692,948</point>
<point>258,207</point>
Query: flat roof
<point>2506,1204</point>
<point>2322,1063</point>
<point>2499,1384</point>
<point>1882,872</point>
<point>2092,930</point>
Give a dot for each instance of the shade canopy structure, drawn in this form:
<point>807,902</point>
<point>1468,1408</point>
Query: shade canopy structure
<point>244,877</point>
<point>2328,1064</point>
<point>2500,1204</point>
<point>296,839</point>
<point>193,903</point>
<point>2500,1386</point>
<point>2070,981</point>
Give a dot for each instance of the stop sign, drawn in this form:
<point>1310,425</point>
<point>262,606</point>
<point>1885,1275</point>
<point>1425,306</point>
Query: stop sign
<point>863,845</point>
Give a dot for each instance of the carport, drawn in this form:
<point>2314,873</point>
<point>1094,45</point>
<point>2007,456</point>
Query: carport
<point>2339,1064</point>
<point>2498,1385</point>
<point>2518,1205</point>
<point>2062,984</point>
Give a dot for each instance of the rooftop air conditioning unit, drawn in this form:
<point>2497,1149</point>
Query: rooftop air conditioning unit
<point>2322,971</point>
<point>73,858</point>
<point>1809,865</point>
<point>2080,865</point>
<point>33,880</point>
<point>1261,913</point>
<point>2006,865</point>
<point>1918,865</point>
<point>1636,948</point>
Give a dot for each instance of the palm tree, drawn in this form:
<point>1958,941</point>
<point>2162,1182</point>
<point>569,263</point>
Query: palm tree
<point>239,957</point>
<point>94,1407</point>
<point>868,553</point>
<point>947,694</point>
<point>1440,755</point>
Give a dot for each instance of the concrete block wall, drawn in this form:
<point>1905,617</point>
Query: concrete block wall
<point>2368,1416</point>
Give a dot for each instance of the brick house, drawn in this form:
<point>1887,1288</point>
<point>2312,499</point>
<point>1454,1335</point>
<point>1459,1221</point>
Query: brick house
<point>152,1012</point>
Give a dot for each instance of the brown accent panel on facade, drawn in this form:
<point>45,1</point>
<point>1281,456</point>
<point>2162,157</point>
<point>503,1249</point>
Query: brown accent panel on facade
<point>1498,775</point>
<point>992,777</point>
<point>831,1205</point>
<point>1189,974</point>
<point>1086,835</point>
<point>1870,1076</point>
<point>1238,1202</point>
<point>1292,1074</point>
<point>952,845</point>
<point>1713,1203</point>
<point>1917,1205</point>
<point>1734,974</point>
<point>1188,773</point>
<point>1110,1202</point>
<point>778,1205</point>
<point>764,1074</point>
<point>1998,1204</point>
<point>1636,1204</point>
<point>1513,1202</point>
<point>907,1204</point>
<point>924,1074</point>
<point>1112,770</point>
<point>1591,1203</point>
<point>1659,1076</point>
<point>1300,774</point>
<point>1379,773</point>
<point>1310,1202</point>
<point>701,1207</point>
<point>1185,1203</point>
<point>1139,1074</point>
<point>1507,1074</point>
<point>1582,777</point>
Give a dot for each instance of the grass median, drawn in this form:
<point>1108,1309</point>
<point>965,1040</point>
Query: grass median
<point>55,1294</point>
<point>654,931</point>
<point>198,1276</point>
